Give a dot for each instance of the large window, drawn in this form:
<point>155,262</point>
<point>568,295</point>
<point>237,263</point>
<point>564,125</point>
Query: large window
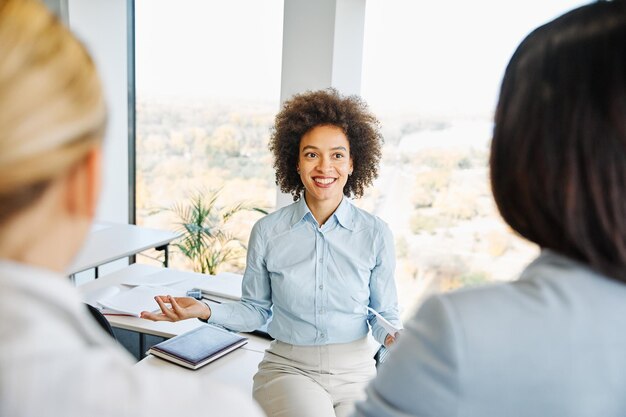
<point>208,83</point>
<point>208,87</point>
<point>431,72</point>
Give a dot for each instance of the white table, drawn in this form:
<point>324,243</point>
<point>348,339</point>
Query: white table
<point>236,369</point>
<point>108,242</point>
<point>159,328</point>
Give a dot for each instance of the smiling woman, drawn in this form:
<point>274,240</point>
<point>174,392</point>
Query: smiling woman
<point>324,167</point>
<point>316,265</point>
<point>350,115</point>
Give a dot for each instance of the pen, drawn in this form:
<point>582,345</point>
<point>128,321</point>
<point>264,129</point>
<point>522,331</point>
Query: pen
<point>204,297</point>
<point>195,293</point>
<point>198,295</point>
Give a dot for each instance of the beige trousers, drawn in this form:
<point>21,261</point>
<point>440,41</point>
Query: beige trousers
<point>315,381</point>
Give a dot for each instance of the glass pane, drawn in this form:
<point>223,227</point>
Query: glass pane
<point>431,72</point>
<point>208,87</point>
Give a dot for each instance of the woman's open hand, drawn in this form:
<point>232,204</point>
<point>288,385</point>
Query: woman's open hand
<point>182,308</point>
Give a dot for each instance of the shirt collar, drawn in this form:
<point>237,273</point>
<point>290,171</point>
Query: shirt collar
<point>300,209</point>
<point>343,213</point>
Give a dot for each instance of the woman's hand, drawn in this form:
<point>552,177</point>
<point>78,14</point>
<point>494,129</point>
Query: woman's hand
<point>182,308</point>
<point>390,340</point>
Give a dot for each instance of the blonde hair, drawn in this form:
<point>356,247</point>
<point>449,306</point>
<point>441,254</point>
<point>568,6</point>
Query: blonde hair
<point>52,106</point>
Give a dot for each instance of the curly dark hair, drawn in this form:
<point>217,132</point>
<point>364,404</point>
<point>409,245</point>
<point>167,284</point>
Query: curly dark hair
<point>308,110</point>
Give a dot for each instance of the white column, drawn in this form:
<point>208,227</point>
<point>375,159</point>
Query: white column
<point>322,47</point>
<point>102,26</point>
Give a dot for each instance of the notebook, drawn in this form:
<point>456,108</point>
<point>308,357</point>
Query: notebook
<point>198,347</point>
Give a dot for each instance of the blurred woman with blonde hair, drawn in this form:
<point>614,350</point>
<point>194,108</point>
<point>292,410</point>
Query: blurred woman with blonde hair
<point>54,359</point>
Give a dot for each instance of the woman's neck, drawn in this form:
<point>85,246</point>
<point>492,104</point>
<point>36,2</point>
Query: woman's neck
<point>322,210</point>
<point>41,235</point>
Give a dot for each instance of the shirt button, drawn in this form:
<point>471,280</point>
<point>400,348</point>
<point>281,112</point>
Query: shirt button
<point>322,311</point>
<point>322,334</point>
<point>321,260</point>
<point>321,286</point>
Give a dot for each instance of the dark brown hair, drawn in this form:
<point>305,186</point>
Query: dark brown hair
<point>558,155</point>
<point>305,111</point>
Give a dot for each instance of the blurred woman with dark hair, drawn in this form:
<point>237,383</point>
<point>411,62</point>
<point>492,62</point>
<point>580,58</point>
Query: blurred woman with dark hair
<point>552,343</point>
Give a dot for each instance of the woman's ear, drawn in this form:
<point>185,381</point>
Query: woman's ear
<point>83,185</point>
<point>94,163</point>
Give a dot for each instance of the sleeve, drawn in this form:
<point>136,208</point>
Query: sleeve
<point>383,293</point>
<point>102,380</point>
<point>254,309</point>
<point>421,375</point>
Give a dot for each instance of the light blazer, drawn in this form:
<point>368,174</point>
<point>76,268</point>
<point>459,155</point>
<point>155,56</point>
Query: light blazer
<point>56,361</point>
<point>552,344</point>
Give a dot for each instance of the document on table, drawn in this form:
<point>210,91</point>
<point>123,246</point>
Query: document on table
<point>225,285</point>
<point>93,297</point>
<point>136,300</point>
<point>161,278</point>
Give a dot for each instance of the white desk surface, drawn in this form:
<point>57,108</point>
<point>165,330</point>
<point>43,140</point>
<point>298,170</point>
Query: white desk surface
<point>108,242</point>
<point>236,368</point>
<point>159,328</point>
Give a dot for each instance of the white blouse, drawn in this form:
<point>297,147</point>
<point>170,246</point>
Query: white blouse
<point>56,361</point>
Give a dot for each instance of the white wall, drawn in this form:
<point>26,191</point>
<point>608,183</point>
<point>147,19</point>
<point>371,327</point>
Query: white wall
<point>322,47</point>
<point>101,24</point>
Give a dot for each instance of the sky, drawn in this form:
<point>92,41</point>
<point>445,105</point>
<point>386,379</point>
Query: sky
<point>445,56</point>
<point>429,57</point>
<point>209,48</point>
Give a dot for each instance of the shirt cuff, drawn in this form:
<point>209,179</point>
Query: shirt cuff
<point>211,307</point>
<point>219,313</point>
<point>379,334</point>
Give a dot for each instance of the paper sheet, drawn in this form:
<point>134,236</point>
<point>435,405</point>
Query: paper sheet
<point>93,297</point>
<point>390,328</point>
<point>224,285</point>
<point>161,278</point>
<point>137,299</point>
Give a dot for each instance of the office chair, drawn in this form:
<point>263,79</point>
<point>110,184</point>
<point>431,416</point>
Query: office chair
<point>102,321</point>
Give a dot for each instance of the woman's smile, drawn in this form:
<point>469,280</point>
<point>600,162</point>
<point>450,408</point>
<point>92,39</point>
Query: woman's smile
<point>324,164</point>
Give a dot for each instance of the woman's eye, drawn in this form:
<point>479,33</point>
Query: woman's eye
<point>339,156</point>
<point>310,155</point>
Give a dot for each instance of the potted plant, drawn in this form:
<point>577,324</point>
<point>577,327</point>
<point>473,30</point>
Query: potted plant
<point>204,228</point>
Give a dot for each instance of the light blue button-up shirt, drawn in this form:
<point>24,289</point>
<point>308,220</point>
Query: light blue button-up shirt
<point>316,282</point>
